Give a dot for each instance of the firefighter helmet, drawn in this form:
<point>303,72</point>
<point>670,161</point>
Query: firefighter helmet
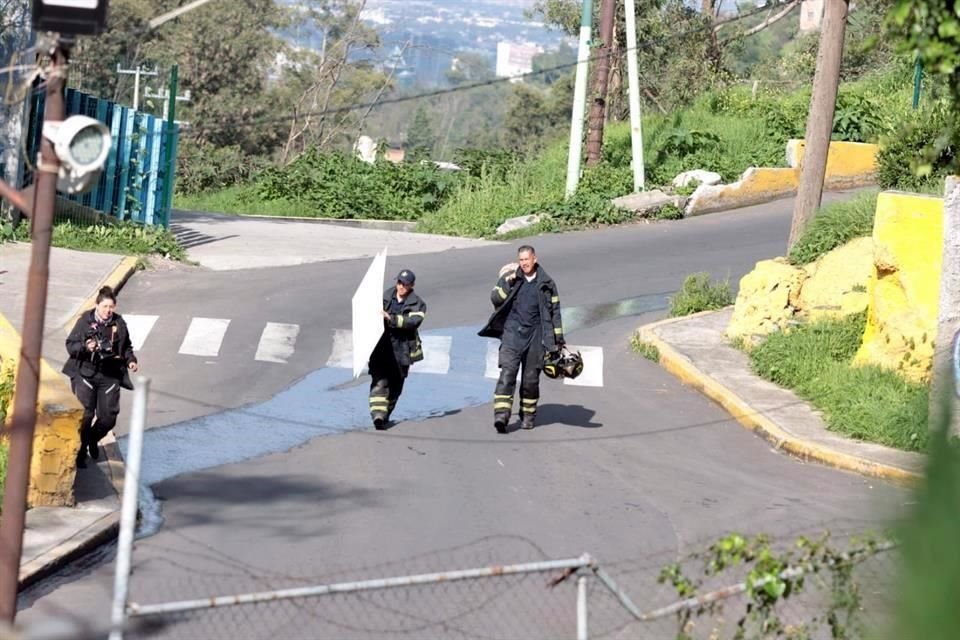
<point>563,364</point>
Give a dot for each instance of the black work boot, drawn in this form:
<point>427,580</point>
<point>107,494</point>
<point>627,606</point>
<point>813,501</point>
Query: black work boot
<point>379,423</point>
<point>94,450</point>
<point>527,421</point>
<point>82,457</point>
<point>500,422</point>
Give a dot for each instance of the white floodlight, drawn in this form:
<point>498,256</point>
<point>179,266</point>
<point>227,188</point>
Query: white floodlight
<point>82,144</point>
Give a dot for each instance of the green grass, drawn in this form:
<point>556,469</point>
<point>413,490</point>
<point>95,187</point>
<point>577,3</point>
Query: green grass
<point>126,238</point>
<point>698,293</point>
<point>6,395</point>
<point>645,349</point>
<point>479,207</point>
<point>835,225</point>
<point>241,200</point>
<point>864,403</point>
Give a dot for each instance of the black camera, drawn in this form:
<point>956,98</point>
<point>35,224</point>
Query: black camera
<point>104,344</point>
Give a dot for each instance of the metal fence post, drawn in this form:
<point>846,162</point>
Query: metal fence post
<point>128,512</point>
<point>582,608</point>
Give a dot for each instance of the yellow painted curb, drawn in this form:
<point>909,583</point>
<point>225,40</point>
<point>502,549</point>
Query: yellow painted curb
<point>755,421</point>
<point>115,280</point>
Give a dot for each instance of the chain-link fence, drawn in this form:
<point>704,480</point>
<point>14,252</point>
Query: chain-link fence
<point>573,598</point>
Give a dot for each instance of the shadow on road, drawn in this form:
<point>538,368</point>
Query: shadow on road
<point>225,498</point>
<point>571,415</point>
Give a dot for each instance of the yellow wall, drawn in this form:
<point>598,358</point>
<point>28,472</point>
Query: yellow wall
<point>849,164</point>
<point>905,287</point>
<point>57,439</point>
<point>757,185</point>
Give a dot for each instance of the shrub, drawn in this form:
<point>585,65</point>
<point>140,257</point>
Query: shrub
<point>668,212</point>
<point>203,167</point>
<point>856,118</point>
<point>835,225</point>
<point>338,185</point>
<point>900,162</point>
<point>584,210</point>
<point>698,294</point>
<point>478,163</point>
<point>120,237</point>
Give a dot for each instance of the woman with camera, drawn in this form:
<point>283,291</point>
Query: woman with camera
<point>101,359</point>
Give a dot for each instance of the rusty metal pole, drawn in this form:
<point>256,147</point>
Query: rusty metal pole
<point>823,103</point>
<point>28,371</point>
<point>598,111</point>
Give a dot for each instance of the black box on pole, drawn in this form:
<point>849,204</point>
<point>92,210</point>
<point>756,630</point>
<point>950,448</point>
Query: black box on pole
<point>70,17</point>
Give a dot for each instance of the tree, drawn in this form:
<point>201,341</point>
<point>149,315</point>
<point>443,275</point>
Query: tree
<point>316,82</point>
<point>420,136</point>
<point>93,63</point>
<point>550,66</point>
<point>534,114</point>
<point>469,68</point>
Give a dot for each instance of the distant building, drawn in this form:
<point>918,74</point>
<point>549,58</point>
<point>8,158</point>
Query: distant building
<point>515,59</point>
<point>811,14</point>
<point>395,153</point>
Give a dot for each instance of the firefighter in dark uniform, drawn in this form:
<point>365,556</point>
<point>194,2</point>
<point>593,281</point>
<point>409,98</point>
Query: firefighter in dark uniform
<point>527,322</point>
<point>398,348</point>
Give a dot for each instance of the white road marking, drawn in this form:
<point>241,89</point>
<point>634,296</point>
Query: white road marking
<point>493,358</point>
<point>592,375</point>
<point>204,336</point>
<point>139,328</point>
<point>341,355</point>
<point>436,355</point>
<point>277,342</point>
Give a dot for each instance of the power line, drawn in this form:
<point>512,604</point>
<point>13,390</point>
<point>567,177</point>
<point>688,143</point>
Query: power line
<point>276,120</point>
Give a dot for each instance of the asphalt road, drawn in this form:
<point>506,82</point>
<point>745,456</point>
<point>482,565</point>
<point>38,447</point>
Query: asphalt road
<point>268,475</point>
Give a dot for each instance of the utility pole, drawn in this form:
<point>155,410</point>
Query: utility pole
<point>170,115</point>
<point>823,103</point>
<point>917,81</point>
<point>136,73</point>
<point>633,89</point>
<point>169,99</point>
<point>28,370</point>
<point>579,99</point>
<point>601,83</point>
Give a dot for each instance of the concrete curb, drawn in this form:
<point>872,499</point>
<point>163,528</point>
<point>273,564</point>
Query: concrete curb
<point>105,528</point>
<point>681,367</point>
<point>80,544</point>
<point>381,225</point>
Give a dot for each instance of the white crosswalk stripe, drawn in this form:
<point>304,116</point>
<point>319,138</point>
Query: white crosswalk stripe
<point>277,342</point>
<point>592,375</point>
<point>341,355</point>
<point>139,328</point>
<point>493,360</point>
<point>204,337</point>
<point>436,353</point>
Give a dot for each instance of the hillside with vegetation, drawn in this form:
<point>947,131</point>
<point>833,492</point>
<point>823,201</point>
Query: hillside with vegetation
<point>272,128</point>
